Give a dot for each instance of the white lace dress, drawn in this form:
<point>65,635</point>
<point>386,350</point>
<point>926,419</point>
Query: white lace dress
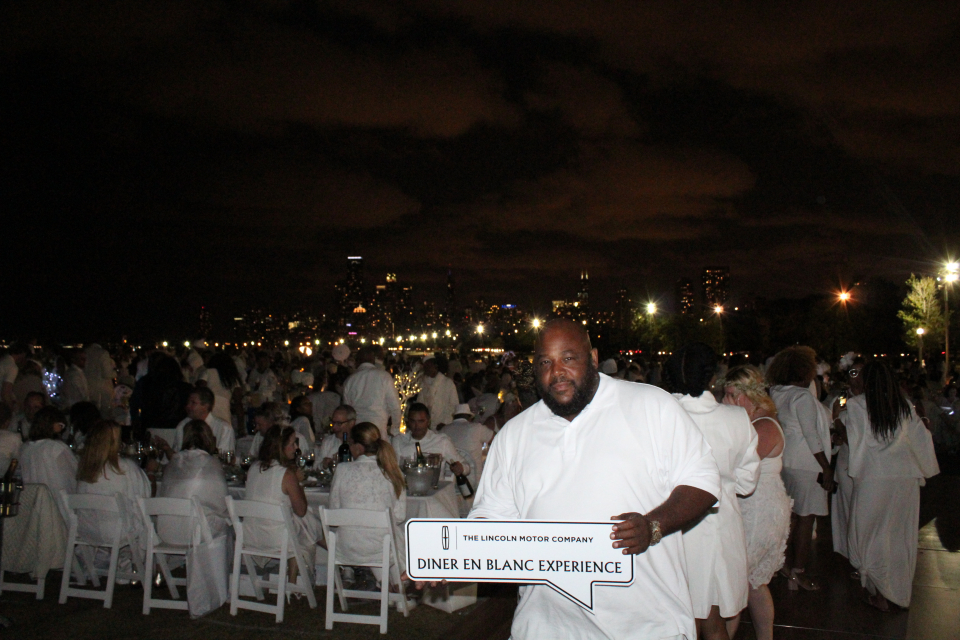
<point>362,485</point>
<point>766,520</point>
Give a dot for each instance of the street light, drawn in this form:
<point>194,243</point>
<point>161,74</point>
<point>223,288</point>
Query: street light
<point>480,329</point>
<point>950,275</point>
<point>652,308</point>
<point>536,323</point>
<point>844,296</point>
<point>718,309</point>
<point>920,332</point>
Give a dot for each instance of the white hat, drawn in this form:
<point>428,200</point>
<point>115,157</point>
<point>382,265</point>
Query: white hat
<point>306,378</point>
<point>429,356</point>
<point>463,409</point>
<point>296,376</point>
<point>340,352</point>
<point>609,366</point>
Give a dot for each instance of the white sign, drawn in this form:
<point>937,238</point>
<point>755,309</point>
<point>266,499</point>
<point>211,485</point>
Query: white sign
<point>570,557</point>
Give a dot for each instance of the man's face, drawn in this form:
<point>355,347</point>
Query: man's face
<point>566,370</point>
<point>430,368</point>
<point>341,423</point>
<point>262,424</point>
<point>196,409</point>
<point>418,424</point>
<point>31,405</point>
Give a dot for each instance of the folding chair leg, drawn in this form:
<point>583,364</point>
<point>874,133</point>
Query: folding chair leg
<point>254,576</point>
<point>235,581</point>
<point>69,562</point>
<point>148,585</point>
<point>281,587</point>
<point>165,570</point>
<point>112,576</point>
<point>338,580</point>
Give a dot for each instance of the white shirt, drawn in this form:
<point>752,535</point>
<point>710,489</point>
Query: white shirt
<point>131,484</point>
<point>10,443</point>
<point>255,445</point>
<point>222,395</point>
<point>263,383</point>
<point>804,431</point>
<point>50,462</point>
<point>305,435</point>
<point>329,447</point>
<point>372,393</point>
<point>716,545</point>
<point>432,442</point>
<point>74,387</point>
<point>469,437</point>
<point>440,395</point>
<point>324,404</point>
<point>626,451</point>
<point>909,454</point>
<point>194,473</point>
<point>8,370</point>
<point>222,431</point>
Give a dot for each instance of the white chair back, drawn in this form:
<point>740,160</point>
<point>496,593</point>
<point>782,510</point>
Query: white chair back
<point>332,520</point>
<point>244,553</point>
<point>159,552</point>
<point>84,567</point>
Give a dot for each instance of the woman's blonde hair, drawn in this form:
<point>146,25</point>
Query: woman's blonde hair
<point>102,447</point>
<point>748,380</point>
<point>368,435</point>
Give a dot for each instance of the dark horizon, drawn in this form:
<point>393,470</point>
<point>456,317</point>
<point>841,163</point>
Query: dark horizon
<point>232,156</point>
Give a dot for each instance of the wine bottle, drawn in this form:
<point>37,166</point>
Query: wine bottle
<point>421,459</point>
<point>343,453</point>
<point>463,484</point>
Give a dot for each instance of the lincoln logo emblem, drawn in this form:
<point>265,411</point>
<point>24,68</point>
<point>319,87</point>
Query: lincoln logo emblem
<point>445,536</point>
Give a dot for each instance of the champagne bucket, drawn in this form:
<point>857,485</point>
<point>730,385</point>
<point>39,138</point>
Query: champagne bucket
<point>9,499</point>
<point>435,462</point>
<point>419,479</point>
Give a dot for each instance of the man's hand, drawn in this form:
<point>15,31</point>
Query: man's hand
<point>828,483</point>
<point>457,469</point>
<point>632,535</point>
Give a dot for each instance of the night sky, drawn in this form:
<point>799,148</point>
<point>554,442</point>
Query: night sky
<point>160,156</point>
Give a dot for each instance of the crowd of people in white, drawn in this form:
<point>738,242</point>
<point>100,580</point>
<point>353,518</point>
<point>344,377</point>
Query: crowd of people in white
<point>792,439</point>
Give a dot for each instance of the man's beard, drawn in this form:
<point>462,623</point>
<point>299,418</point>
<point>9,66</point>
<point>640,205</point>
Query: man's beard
<point>582,394</point>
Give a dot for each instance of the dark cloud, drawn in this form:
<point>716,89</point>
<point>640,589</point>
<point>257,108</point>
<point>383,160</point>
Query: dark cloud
<point>248,147</point>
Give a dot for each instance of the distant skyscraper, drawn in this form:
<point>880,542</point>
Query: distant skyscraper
<point>206,324</point>
<point>450,304</point>
<point>583,296</point>
<point>686,297</point>
<point>714,281</point>
<point>622,310</point>
<point>350,293</point>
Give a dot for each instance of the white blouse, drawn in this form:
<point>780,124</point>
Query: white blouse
<point>194,473</point>
<point>909,454</point>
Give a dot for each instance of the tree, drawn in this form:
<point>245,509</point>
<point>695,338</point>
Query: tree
<point>922,309</point>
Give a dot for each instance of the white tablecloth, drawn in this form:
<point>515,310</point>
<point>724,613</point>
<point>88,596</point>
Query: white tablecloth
<point>442,504</point>
<point>34,539</point>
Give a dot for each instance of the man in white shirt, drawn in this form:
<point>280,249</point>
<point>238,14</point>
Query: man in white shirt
<point>23,419</point>
<point>418,430</point>
<point>262,380</point>
<point>469,437</point>
<point>597,449</point>
<point>372,393</point>
<point>324,401</point>
<point>439,393</point>
<point>9,368</point>
<point>200,407</point>
<point>342,420</point>
<point>75,388</point>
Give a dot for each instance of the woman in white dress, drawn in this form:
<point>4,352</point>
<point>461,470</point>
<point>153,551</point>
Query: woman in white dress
<point>891,452</point>
<point>46,459</point>
<point>715,546</point>
<point>275,479</point>
<point>194,471</point>
<point>806,453</point>
<point>222,378</point>
<point>766,512</point>
<point>301,419</point>
<point>102,471</point>
<point>841,500</point>
<point>373,481</point>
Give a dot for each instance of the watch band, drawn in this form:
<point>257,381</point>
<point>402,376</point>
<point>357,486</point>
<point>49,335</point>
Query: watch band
<point>655,534</point>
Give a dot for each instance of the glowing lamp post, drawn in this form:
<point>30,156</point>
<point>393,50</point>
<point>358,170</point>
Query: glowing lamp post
<point>951,272</point>
<point>844,296</point>
<point>652,308</point>
<point>920,332</point>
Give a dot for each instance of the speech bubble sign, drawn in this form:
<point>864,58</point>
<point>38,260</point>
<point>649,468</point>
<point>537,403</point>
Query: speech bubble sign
<point>569,557</point>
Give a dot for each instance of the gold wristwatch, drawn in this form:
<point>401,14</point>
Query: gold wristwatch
<point>655,534</point>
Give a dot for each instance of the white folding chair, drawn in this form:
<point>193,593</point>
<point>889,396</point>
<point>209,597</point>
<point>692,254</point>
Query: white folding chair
<point>158,551</point>
<point>85,567</point>
<point>243,555</point>
<point>39,586</point>
<point>332,519</point>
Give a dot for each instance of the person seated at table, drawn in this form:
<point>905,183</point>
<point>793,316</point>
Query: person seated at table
<point>275,479</point>
<point>373,481</point>
<point>102,471</point>
<point>200,407</point>
<point>83,416</point>
<point>10,441</point>
<point>268,415</point>
<point>342,421</point>
<point>418,430</point>
<point>46,459</point>
<point>301,419</point>
<point>194,471</point>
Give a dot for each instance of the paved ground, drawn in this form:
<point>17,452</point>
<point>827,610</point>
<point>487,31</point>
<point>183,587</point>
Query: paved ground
<point>835,613</point>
